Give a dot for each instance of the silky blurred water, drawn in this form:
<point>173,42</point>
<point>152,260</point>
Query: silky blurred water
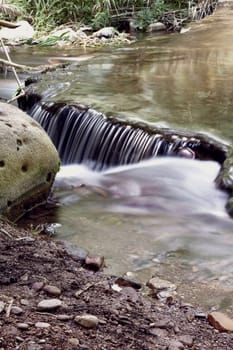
<point>164,218</point>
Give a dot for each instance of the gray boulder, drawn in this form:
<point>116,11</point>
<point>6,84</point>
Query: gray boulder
<point>23,32</point>
<point>28,162</point>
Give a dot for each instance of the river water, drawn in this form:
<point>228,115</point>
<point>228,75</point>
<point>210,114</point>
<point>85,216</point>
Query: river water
<point>163,217</point>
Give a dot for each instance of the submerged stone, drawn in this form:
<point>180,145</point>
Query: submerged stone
<point>28,162</point>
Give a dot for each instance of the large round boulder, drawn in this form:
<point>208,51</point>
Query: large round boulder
<point>28,162</point>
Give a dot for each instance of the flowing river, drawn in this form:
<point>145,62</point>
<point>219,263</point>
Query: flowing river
<point>161,217</point>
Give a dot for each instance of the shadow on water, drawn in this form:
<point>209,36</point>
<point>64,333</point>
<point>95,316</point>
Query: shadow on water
<point>163,217</point>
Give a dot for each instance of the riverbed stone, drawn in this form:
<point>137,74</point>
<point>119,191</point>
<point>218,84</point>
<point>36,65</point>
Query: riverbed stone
<point>49,304</point>
<point>23,32</point>
<point>52,290</point>
<point>160,284</point>
<point>42,325</point>
<point>156,27</point>
<point>28,162</point>
<point>87,320</point>
<point>220,321</point>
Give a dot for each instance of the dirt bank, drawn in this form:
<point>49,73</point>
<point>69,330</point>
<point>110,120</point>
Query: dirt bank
<point>34,270</point>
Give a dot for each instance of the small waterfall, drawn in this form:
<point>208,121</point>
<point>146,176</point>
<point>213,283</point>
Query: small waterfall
<point>85,136</point>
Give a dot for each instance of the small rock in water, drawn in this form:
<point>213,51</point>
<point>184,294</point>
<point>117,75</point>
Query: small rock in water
<point>94,263</point>
<point>87,321</point>
<point>159,284</point>
<point>220,321</point>
<point>49,304</point>
<point>53,290</point>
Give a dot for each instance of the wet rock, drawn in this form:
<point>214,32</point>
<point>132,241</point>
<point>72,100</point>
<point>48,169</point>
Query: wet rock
<point>94,263</point>
<point>49,304</point>
<point>126,282</point>
<point>76,253</point>
<point>158,285</point>
<point>156,27</point>
<point>42,325</point>
<point>220,321</point>
<point>87,321</point>
<point>22,326</point>
<point>53,290</point>
<point>23,32</point>
<point>28,162</point>
<point>2,306</point>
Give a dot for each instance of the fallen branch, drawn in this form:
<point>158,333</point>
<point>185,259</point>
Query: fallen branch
<point>38,69</point>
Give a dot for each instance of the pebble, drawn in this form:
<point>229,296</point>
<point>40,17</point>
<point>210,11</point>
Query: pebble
<point>186,339</point>
<point>159,284</point>
<point>33,346</point>
<point>37,286</point>
<point>220,321</point>
<point>53,290</point>
<point>22,326</point>
<point>64,317</point>
<point>87,321</point>
<point>16,310</point>
<point>42,325</point>
<point>2,306</point>
<point>175,345</point>
<point>24,302</point>
<point>73,341</point>
<point>49,304</point>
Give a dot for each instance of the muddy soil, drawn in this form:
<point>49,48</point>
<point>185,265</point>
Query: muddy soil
<point>45,290</point>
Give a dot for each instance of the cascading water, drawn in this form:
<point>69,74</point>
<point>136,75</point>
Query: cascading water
<point>85,136</point>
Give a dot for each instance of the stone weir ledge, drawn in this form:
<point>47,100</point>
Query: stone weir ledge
<point>203,146</point>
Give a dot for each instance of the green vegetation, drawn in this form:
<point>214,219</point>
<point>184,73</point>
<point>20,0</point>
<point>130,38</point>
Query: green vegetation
<point>47,14</point>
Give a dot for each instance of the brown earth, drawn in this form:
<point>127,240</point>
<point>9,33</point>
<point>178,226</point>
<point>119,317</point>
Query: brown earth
<point>30,269</point>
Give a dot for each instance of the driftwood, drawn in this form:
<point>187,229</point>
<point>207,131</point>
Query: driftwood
<point>37,69</point>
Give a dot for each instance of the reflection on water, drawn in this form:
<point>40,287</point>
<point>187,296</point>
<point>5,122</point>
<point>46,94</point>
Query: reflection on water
<point>184,81</point>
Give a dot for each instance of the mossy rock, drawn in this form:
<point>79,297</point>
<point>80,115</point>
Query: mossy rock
<point>28,162</point>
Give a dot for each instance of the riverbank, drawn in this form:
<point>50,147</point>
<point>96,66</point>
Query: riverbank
<point>47,293</point>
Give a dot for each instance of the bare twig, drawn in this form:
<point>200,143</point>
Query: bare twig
<point>38,69</point>
<point>16,97</point>
<point>13,68</point>
<point>8,310</point>
<point>6,233</point>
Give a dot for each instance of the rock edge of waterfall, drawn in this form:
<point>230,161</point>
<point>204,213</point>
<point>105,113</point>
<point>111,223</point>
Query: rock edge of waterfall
<point>28,162</point>
<point>80,307</point>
